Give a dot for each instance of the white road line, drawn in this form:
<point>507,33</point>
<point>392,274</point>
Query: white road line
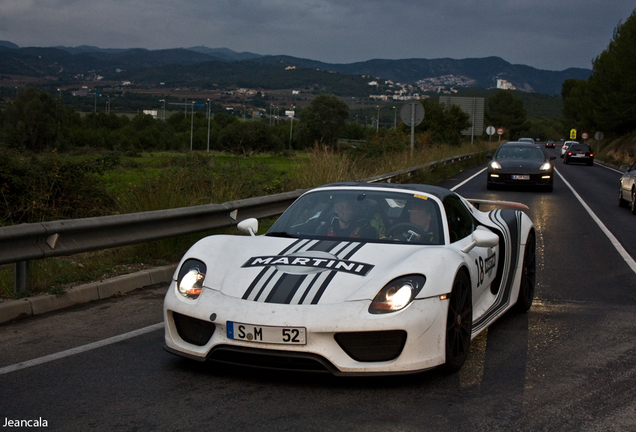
<point>467,180</point>
<point>619,247</point>
<point>80,349</point>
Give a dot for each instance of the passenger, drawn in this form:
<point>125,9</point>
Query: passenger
<point>349,222</point>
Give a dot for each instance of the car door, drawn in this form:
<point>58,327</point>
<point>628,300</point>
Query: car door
<point>481,261</point>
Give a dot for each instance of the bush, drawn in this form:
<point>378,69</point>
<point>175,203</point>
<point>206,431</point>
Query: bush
<point>48,188</point>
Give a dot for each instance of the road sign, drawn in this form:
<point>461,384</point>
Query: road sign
<point>490,130</point>
<point>584,136</point>
<point>500,131</point>
<point>598,136</point>
<point>406,113</point>
<point>573,134</point>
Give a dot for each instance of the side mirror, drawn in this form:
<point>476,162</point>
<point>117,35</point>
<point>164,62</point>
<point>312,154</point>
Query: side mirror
<point>482,237</point>
<point>248,226</point>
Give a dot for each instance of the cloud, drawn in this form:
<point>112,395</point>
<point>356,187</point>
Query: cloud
<point>546,34</point>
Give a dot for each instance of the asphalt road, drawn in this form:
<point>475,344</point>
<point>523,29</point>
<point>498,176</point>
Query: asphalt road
<point>568,364</point>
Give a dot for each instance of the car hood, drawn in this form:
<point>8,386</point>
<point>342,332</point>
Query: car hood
<point>294,271</point>
<point>521,166</point>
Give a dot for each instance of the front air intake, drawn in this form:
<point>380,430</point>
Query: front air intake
<point>374,346</point>
<point>193,330</point>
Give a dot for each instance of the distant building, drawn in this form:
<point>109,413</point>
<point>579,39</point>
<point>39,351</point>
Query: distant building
<point>505,85</point>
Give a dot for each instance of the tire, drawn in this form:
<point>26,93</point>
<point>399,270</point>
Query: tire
<point>632,206</point>
<point>459,323</point>
<point>528,276</point>
<point>621,202</point>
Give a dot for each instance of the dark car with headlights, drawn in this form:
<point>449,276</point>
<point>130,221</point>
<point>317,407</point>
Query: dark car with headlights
<point>581,153</point>
<point>520,164</point>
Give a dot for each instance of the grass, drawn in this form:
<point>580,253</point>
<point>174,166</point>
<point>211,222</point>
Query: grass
<point>167,180</point>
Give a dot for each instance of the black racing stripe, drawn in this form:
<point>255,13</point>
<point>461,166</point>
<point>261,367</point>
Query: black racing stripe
<point>356,249</point>
<point>262,272</point>
<point>254,283</point>
<point>288,248</point>
<point>324,245</point>
<point>311,284</point>
<point>265,285</point>
<point>327,281</point>
<point>323,287</point>
<point>286,286</point>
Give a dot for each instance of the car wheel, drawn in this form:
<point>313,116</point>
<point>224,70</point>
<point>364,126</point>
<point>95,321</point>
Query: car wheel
<point>621,201</point>
<point>459,323</point>
<point>528,276</point>
<point>632,207</point>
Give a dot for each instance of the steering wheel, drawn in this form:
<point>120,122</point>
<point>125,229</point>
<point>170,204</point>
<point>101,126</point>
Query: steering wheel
<point>401,231</point>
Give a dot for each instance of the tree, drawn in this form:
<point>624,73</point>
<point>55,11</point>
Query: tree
<point>323,120</point>
<point>577,105</point>
<point>444,123</point>
<point>612,85</point>
<point>31,121</point>
<point>245,138</point>
<point>507,112</point>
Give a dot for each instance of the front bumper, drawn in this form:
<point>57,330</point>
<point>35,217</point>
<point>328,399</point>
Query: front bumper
<point>507,179</point>
<point>341,338</point>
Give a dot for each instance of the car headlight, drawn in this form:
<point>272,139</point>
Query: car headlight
<point>495,165</point>
<point>546,166</point>
<point>190,279</point>
<point>397,294</point>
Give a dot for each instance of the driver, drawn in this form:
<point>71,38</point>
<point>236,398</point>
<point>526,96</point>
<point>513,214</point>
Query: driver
<point>420,212</point>
<point>349,223</point>
<point>420,215</point>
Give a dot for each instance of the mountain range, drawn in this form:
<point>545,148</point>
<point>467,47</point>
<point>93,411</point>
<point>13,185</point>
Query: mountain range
<point>196,64</point>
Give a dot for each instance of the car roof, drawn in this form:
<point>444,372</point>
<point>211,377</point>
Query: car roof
<point>435,191</point>
<point>520,144</point>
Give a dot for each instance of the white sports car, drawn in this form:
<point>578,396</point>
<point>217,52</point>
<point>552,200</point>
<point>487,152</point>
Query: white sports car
<point>354,278</point>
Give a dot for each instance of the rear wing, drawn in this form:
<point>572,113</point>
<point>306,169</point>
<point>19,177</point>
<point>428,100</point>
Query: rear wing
<point>496,203</point>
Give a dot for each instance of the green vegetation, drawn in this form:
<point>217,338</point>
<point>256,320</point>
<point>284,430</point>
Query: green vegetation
<point>606,100</point>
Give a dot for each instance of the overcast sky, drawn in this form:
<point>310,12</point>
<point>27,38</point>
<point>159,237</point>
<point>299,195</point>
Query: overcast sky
<point>545,34</point>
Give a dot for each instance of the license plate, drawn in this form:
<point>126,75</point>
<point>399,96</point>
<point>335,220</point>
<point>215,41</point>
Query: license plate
<point>266,334</point>
<point>521,177</point>
<point>578,155</point>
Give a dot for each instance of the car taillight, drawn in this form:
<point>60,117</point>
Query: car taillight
<point>569,153</point>
<point>591,154</point>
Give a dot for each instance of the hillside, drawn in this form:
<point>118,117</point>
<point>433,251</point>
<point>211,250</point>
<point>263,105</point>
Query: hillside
<point>202,65</point>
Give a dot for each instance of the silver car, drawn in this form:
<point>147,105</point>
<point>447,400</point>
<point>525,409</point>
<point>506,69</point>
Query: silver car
<point>566,146</point>
<point>627,190</point>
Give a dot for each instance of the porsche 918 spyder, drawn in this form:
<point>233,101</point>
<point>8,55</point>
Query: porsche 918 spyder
<point>354,278</point>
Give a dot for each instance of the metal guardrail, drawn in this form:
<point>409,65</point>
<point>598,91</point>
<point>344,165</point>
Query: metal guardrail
<point>24,242</point>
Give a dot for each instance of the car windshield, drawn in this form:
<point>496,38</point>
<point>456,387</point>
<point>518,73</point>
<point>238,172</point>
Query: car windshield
<point>521,152</point>
<point>362,215</point>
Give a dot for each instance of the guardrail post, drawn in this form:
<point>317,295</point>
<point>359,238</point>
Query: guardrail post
<point>21,280</point>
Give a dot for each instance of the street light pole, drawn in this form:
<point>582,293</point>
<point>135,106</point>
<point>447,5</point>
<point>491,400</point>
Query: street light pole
<point>377,124</point>
<point>208,148</point>
<point>291,128</point>
<point>163,110</point>
<point>394,118</point>
<point>191,124</point>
